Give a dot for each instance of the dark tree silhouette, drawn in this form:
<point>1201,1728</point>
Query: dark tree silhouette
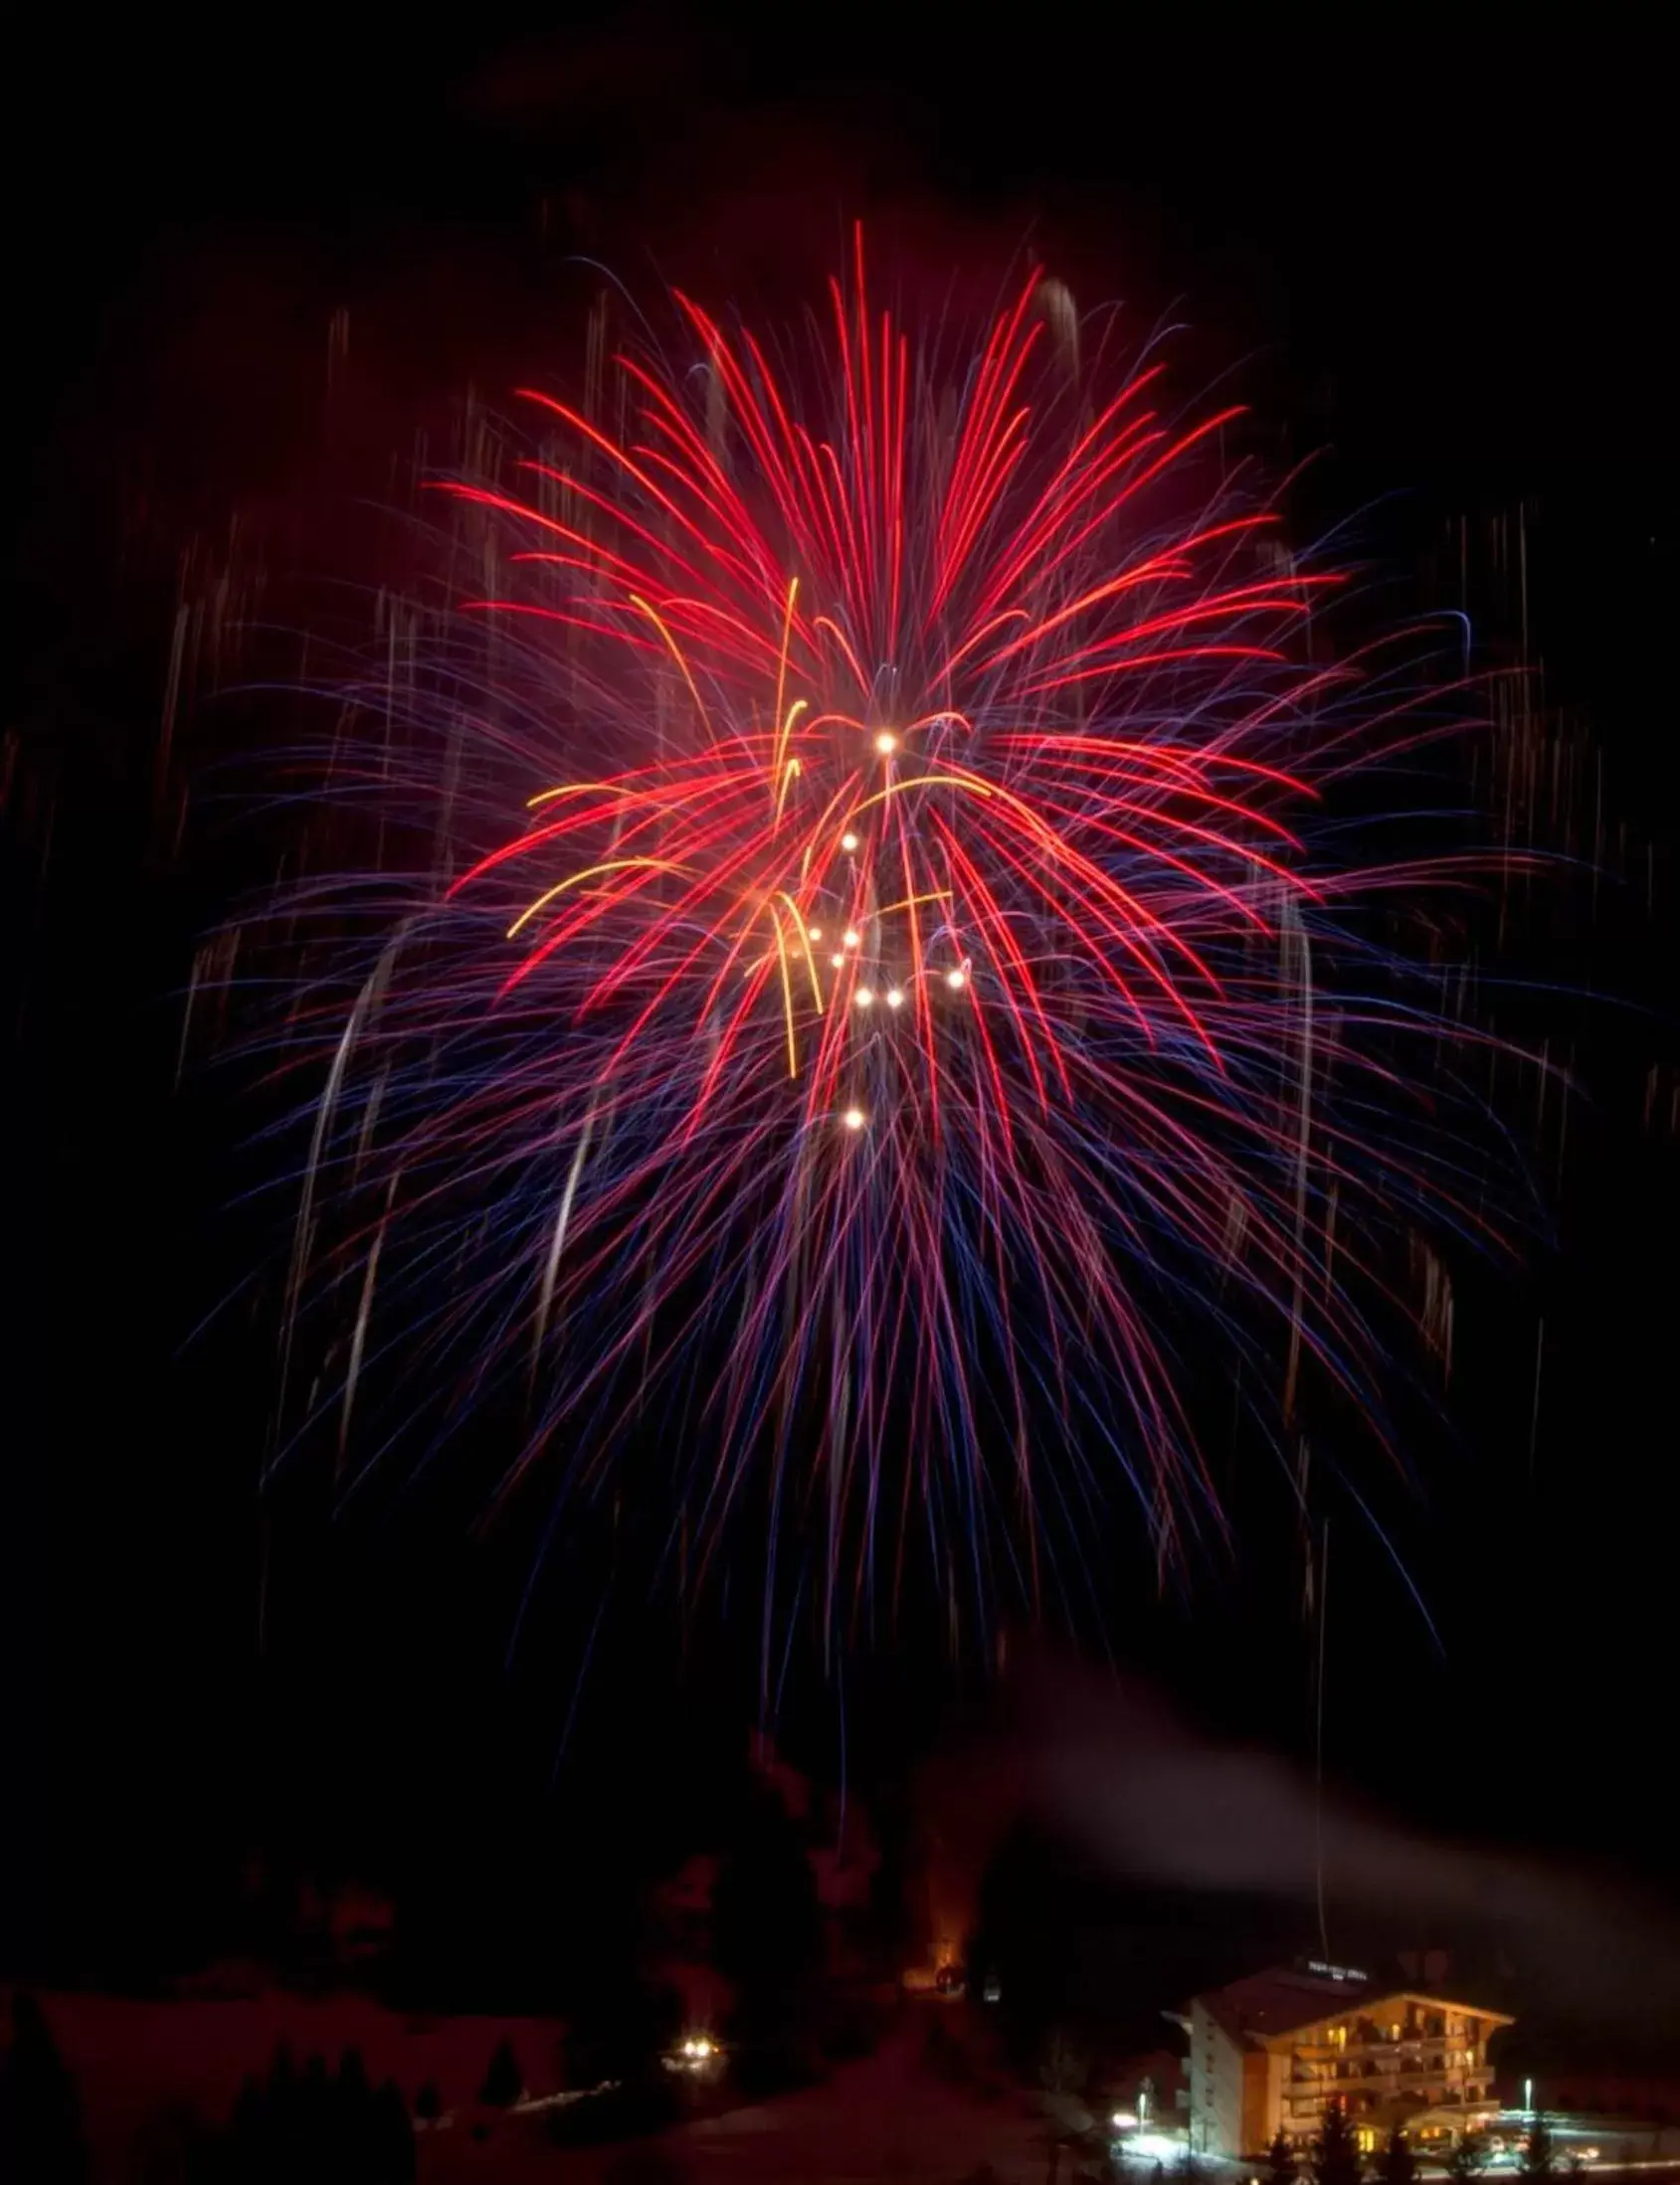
<point>1468,2159</point>
<point>428,2103</point>
<point>1065,2066</point>
<point>237,2150</point>
<point>327,2128</point>
<point>1540,2157</point>
<point>1333,2157</point>
<point>351,2125</point>
<point>1396,2164</point>
<point>391,2137</point>
<point>1281,2166</point>
<point>1022,1938</point>
<point>898,1923</point>
<point>1062,2071</point>
<point>40,2113</point>
<point>767,1934</point>
<point>503,2081</point>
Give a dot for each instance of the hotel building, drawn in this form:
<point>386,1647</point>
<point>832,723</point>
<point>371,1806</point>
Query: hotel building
<point>1267,2054</point>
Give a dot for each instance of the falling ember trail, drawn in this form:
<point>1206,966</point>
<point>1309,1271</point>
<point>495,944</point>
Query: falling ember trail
<point>562,1219</point>
<point>1297,947</point>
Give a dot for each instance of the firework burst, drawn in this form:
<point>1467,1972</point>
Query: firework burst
<point>883,990</point>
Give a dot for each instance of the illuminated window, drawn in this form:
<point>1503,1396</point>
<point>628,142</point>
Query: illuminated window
<point>1394,2032</point>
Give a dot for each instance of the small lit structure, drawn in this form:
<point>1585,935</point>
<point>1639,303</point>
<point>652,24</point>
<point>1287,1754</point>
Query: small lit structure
<point>1152,2147</point>
<point>696,2053</point>
<point>1138,2135</point>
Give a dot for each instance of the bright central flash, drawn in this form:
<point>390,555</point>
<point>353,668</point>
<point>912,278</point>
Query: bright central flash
<point>851,937</point>
<point>848,842</point>
<point>886,743</point>
<point>854,1119</point>
<point>894,999</point>
<point>956,979</point>
<point>865,997</point>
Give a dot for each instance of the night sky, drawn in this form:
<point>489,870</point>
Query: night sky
<point>1438,268</point>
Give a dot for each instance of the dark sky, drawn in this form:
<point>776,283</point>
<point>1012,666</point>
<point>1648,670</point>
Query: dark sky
<point>1440,263</point>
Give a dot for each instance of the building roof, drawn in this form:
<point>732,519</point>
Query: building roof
<point>1269,2006</point>
<point>1280,2000</point>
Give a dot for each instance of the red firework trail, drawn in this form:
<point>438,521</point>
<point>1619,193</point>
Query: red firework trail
<point>913,986</point>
